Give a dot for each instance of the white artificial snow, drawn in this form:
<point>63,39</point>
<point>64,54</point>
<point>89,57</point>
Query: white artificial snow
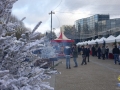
<point>17,70</point>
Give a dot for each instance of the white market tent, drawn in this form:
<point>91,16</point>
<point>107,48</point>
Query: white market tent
<point>92,42</point>
<point>80,43</point>
<point>89,41</point>
<point>85,43</point>
<point>101,40</point>
<point>96,40</point>
<point>118,38</point>
<point>110,39</point>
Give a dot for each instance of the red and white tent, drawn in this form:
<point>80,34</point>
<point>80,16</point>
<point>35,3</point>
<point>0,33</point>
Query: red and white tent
<point>62,38</point>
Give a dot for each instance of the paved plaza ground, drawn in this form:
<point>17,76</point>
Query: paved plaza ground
<point>98,74</point>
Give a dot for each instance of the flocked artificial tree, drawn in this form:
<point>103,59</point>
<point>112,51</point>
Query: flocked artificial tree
<point>17,69</point>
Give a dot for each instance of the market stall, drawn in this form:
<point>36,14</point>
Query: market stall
<point>62,40</point>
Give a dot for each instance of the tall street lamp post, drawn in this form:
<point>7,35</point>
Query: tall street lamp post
<point>51,22</point>
<point>53,33</point>
<point>52,59</point>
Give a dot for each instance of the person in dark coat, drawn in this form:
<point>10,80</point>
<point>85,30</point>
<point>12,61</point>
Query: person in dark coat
<point>93,51</point>
<point>116,54</point>
<point>75,54</point>
<point>99,52</point>
<point>83,56</point>
<point>87,52</point>
<point>79,50</point>
<point>67,52</point>
<point>107,52</point>
<point>103,52</point>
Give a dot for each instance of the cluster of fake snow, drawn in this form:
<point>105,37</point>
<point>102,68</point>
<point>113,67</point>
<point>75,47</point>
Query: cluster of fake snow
<point>17,70</point>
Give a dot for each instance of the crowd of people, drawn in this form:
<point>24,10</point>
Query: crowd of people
<point>85,51</point>
<point>68,51</point>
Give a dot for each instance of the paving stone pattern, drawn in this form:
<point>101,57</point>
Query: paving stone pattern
<point>98,74</point>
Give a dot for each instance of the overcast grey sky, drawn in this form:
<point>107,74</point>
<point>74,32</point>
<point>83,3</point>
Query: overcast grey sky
<point>66,11</point>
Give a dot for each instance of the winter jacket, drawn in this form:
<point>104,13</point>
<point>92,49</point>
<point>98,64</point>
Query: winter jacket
<point>75,52</point>
<point>84,51</point>
<point>103,50</point>
<point>67,50</point>
<point>99,50</point>
<point>115,51</point>
<point>79,49</point>
<point>107,50</point>
<point>87,51</point>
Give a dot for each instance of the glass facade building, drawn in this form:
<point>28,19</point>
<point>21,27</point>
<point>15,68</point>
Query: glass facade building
<point>108,27</point>
<point>88,27</point>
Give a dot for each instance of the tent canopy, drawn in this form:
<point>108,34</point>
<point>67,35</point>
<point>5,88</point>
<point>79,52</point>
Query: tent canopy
<point>102,40</point>
<point>118,38</point>
<point>62,38</point>
<point>110,39</point>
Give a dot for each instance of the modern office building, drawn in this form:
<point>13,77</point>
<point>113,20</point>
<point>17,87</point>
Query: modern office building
<point>88,27</point>
<point>108,27</point>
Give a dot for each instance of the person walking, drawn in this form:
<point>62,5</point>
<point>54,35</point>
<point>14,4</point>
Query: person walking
<point>96,48</point>
<point>87,52</point>
<point>79,50</point>
<point>75,54</point>
<point>84,56</point>
<point>93,50</point>
<point>116,54</point>
<point>99,52</point>
<point>67,52</point>
<point>106,52</point>
<point>103,52</point>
